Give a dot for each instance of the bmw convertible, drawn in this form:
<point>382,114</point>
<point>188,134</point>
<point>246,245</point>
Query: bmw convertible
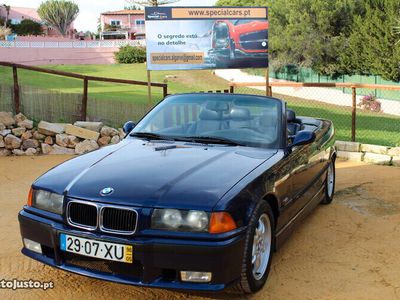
<point>198,196</point>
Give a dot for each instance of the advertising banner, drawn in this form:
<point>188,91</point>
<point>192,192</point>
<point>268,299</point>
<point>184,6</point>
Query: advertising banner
<point>190,38</point>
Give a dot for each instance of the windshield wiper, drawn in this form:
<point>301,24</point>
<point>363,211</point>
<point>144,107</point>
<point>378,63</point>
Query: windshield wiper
<point>213,140</point>
<point>152,136</point>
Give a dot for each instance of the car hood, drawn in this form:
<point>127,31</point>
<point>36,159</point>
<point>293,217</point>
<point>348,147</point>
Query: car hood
<point>152,175</point>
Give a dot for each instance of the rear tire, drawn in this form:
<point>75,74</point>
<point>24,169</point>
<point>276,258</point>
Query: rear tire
<point>259,247</point>
<point>330,183</point>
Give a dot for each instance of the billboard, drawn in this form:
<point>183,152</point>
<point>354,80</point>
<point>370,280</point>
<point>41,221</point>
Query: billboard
<point>190,38</point>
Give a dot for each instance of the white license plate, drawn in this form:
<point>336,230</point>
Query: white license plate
<point>95,248</point>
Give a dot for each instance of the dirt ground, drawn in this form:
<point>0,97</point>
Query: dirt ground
<point>348,250</point>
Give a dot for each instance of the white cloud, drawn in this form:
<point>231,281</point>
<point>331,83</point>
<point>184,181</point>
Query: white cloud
<point>90,10</point>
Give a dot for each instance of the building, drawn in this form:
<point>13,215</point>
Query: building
<point>125,24</point>
<point>18,14</point>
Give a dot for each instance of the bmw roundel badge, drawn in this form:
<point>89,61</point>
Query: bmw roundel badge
<point>107,191</point>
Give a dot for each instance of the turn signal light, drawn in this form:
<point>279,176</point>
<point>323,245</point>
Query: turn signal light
<point>221,222</point>
<point>30,195</point>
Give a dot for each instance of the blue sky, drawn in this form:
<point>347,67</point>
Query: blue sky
<point>90,9</point>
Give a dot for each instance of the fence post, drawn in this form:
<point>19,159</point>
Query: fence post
<point>165,91</point>
<point>16,90</point>
<point>84,99</point>
<point>353,114</point>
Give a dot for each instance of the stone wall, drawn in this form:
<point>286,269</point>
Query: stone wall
<point>18,136</point>
<point>373,154</point>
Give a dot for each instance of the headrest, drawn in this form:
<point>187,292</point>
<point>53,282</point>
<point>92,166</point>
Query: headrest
<point>240,114</point>
<point>207,114</point>
<point>268,119</point>
<point>290,116</point>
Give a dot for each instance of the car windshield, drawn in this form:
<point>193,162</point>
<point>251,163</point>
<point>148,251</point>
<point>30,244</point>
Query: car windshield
<point>215,118</point>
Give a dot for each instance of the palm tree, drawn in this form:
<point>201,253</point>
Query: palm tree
<point>59,14</point>
<point>150,2</point>
<point>7,8</point>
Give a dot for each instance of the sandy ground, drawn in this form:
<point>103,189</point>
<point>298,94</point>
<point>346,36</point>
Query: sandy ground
<point>348,250</point>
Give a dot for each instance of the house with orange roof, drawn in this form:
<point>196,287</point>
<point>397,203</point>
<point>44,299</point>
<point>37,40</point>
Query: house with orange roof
<point>122,24</point>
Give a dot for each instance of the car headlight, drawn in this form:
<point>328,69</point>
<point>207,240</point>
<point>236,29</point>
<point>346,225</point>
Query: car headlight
<point>180,220</point>
<point>47,201</point>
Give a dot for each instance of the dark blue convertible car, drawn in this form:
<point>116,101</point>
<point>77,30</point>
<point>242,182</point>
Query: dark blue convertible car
<point>198,195</point>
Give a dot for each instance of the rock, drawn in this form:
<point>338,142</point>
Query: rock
<point>49,140</point>
<point>104,141</point>
<point>395,161</point>
<point>86,146</point>
<point>12,142</point>
<point>57,150</point>
<point>377,159</point>
<point>394,151</point>
<point>19,118</point>
<point>5,152</point>
<point>121,133</point>
<point>62,140</point>
<point>93,126</point>
<point>374,149</point>
<point>115,140</point>
<point>46,149</point>
<point>5,132</point>
<point>26,135</point>
<point>2,126</point>
<point>7,119</point>
<point>31,152</point>
<point>50,128</point>
<point>38,136</point>
<point>108,131</point>
<point>82,132</point>
<point>2,144</point>
<point>347,146</point>
<point>28,124</point>
<point>18,152</point>
<point>18,131</point>
<point>30,144</point>
<point>73,141</point>
<point>353,156</point>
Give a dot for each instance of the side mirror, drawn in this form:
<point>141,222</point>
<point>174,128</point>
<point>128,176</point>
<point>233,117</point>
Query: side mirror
<point>303,138</point>
<point>128,127</point>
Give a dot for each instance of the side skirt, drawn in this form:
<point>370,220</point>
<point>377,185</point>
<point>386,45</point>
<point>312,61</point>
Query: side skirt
<point>286,231</point>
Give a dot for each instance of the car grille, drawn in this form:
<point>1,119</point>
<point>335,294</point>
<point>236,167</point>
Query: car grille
<point>116,219</point>
<point>254,40</point>
<point>107,218</point>
<point>83,215</point>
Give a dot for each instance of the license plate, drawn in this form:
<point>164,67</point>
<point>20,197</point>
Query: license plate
<point>95,248</point>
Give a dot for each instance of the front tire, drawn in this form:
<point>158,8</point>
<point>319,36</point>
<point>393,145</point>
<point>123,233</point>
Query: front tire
<point>330,183</point>
<point>259,246</point>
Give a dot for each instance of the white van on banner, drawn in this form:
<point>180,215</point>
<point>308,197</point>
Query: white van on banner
<point>190,38</point>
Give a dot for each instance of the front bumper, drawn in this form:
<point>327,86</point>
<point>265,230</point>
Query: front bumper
<point>157,261</point>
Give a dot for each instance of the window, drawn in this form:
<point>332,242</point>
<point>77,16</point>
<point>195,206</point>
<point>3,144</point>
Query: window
<point>139,22</point>
<point>15,21</point>
<point>115,23</point>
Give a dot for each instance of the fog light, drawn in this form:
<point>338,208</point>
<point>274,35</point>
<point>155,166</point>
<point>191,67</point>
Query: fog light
<point>33,246</point>
<point>196,276</point>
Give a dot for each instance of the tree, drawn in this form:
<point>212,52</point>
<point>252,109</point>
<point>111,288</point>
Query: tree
<point>373,47</point>
<point>27,27</point>
<point>241,3</point>
<point>150,2</point>
<point>59,14</point>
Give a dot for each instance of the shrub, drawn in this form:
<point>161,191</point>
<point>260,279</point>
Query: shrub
<point>370,103</point>
<point>131,55</point>
<point>28,27</point>
<point>4,31</point>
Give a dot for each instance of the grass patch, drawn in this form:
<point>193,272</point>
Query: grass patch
<point>372,128</point>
